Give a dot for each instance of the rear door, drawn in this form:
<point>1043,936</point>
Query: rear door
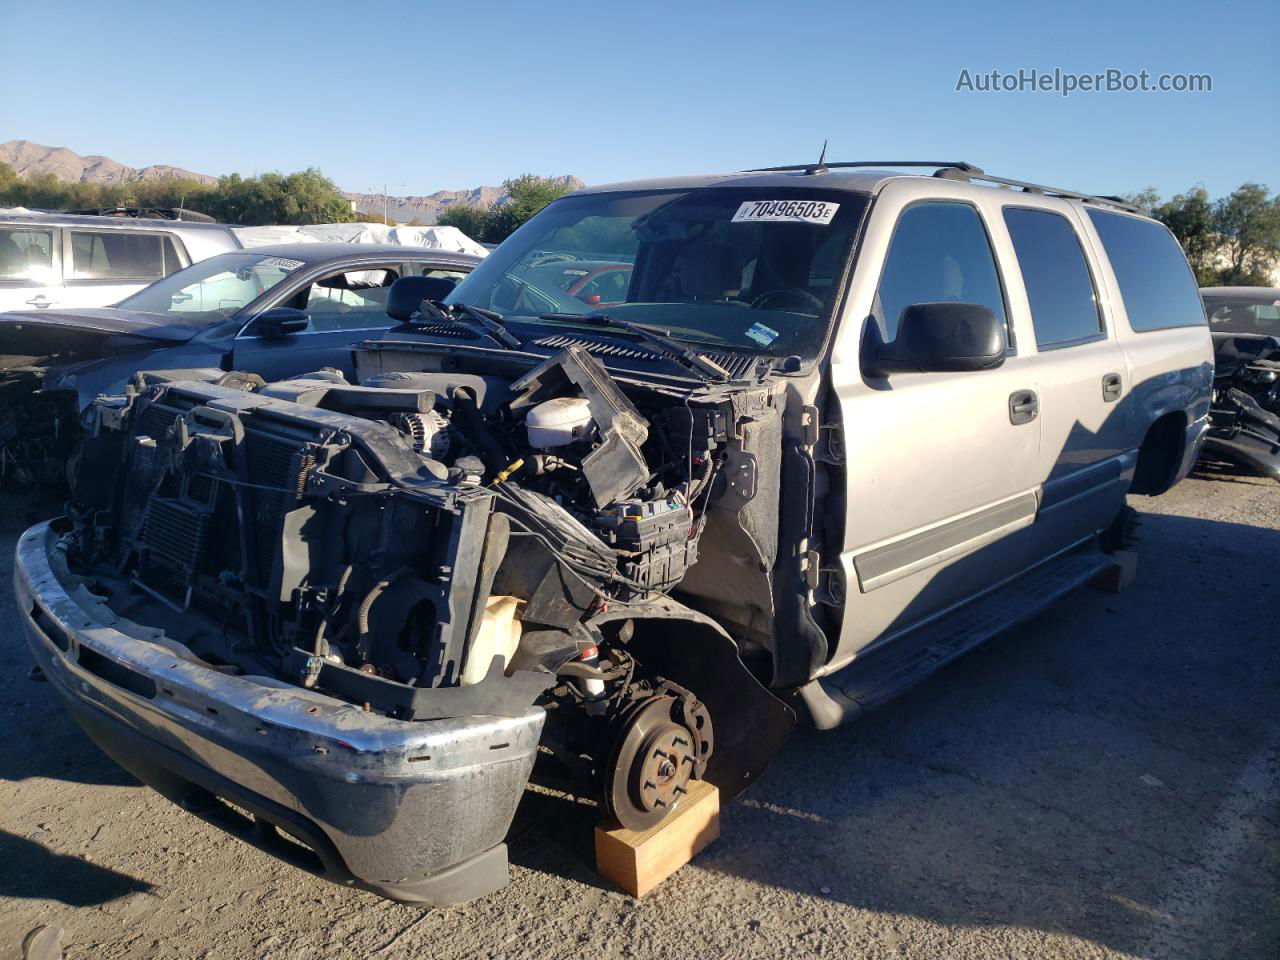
<point>1086,463</point>
<point>30,267</point>
<point>343,306</point>
<point>102,267</point>
<point>942,472</point>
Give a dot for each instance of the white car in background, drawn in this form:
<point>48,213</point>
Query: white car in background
<point>57,260</point>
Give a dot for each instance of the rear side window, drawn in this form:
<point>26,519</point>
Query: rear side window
<point>939,251</point>
<point>26,254</point>
<point>1064,307</point>
<point>1155,282</point>
<point>121,255</point>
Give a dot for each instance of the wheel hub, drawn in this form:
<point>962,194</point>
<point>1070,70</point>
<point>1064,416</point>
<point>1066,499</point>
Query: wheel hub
<point>651,766</point>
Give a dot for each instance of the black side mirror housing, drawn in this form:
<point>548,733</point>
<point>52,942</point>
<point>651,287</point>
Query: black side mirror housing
<point>943,336</point>
<point>278,323</point>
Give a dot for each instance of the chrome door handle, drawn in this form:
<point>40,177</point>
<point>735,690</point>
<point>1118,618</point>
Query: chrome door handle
<point>1024,406</point>
<point>40,300</point>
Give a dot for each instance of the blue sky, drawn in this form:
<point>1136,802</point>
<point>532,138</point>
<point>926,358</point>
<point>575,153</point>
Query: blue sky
<point>426,96</point>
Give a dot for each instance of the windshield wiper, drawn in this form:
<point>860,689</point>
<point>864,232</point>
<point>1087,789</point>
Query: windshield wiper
<point>486,321</point>
<point>667,346</point>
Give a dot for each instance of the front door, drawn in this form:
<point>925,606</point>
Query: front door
<point>942,466</point>
<point>343,308</point>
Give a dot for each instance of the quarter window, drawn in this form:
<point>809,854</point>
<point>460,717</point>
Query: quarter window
<point>1064,305</point>
<point>1155,282</point>
<point>939,251</point>
<point>121,255</point>
<point>26,255</point>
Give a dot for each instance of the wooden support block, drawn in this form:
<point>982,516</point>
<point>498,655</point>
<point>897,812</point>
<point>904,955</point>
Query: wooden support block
<point>1120,574</point>
<point>638,862</point>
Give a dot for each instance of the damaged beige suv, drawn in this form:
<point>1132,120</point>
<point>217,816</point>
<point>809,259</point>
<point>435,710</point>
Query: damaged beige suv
<point>679,462</point>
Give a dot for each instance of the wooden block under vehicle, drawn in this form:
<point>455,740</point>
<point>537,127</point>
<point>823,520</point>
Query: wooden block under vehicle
<point>1120,574</point>
<point>638,862</point>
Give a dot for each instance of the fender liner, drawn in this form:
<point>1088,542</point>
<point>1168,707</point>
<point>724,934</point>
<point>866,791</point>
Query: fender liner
<point>685,646</point>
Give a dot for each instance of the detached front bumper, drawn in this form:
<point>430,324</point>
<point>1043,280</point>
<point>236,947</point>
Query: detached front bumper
<point>414,811</point>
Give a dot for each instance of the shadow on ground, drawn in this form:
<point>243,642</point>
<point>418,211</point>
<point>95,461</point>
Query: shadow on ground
<point>1064,778</point>
<point>30,871</point>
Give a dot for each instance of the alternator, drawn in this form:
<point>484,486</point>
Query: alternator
<point>428,432</point>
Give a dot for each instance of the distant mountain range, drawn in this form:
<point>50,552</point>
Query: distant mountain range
<point>427,209</point>
<point>28,159</point>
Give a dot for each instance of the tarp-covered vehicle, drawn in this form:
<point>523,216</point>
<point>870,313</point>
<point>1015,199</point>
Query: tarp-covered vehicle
<point>834,433</point>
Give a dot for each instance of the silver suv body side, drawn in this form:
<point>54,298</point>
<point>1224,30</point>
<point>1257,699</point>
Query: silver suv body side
<point>946,496</point>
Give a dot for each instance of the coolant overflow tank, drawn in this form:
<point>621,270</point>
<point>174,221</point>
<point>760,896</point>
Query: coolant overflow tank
<point>560,421</point>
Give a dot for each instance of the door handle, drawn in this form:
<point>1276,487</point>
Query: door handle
<point>1024,406</point>
<point>1111,388</point>
<point>40,300</point>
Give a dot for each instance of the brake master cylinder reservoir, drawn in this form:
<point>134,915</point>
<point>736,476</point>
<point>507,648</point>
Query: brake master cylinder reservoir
<point>557,422</point>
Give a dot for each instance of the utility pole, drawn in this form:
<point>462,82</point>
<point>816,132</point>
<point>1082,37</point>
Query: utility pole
<point>384,204</point>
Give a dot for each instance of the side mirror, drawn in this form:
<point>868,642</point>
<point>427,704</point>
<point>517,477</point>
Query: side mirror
<point>940,337</point>
<point>278,323</point>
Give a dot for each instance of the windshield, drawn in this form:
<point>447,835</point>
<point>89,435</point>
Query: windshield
<point>1255,315</point>
<point>739,268</point>
<point>212,289</point>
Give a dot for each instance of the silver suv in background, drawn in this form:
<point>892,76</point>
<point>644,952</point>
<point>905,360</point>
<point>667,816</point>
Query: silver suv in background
<point>57,260</point>
<point>838,426</point>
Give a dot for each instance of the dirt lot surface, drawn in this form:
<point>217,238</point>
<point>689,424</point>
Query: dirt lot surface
<point>1103,782</point>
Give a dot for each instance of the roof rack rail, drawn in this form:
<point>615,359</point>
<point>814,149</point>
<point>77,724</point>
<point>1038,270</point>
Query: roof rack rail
<point>959,170</point>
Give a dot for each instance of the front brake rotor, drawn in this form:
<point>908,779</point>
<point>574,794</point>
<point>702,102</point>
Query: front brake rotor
<point>650,768</point>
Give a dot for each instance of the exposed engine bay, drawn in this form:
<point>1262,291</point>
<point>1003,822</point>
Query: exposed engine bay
<point>450,543</point>
<point>1246,402</point>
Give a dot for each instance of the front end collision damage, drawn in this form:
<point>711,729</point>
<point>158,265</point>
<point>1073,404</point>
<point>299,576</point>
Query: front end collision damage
<point>360,613</point>
<point>1245,424</point>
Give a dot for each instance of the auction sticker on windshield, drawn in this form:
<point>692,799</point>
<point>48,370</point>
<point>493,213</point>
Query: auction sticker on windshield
<point>282,262</point>
<point>786,211</point>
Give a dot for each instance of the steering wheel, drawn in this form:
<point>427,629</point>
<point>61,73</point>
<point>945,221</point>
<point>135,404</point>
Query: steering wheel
<point>804,296</point>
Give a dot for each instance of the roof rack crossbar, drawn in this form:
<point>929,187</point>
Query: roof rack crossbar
<point>970,171</point>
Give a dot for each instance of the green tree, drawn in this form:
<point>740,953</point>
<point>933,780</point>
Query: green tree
<point>471,220</point>
<point>526,195</point>
<point>7,178</point>
<point>1248,223</point>
<point>1189,216</point>
<point>1232,240</point>
<point>304,197</point>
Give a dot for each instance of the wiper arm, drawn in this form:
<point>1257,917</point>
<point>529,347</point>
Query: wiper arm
<point>488,322</point>
<point>667,346</point>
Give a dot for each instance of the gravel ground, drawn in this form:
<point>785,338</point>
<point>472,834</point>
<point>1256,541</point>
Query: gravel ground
<point>1104,782</point>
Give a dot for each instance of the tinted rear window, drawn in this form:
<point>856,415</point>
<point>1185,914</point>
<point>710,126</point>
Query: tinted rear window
<point>1155,281</point>
<point>121,255</point>
<point>1059,286</point>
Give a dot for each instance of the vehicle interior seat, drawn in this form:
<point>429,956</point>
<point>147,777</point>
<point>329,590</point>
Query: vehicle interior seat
<point>707,271</point>
<point>406,295</point>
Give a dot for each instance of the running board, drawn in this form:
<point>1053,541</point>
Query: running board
<point>878,677</point>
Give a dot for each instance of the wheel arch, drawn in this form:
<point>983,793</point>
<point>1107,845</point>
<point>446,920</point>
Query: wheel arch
<point>1160,454</point>
<point>691,649</point>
